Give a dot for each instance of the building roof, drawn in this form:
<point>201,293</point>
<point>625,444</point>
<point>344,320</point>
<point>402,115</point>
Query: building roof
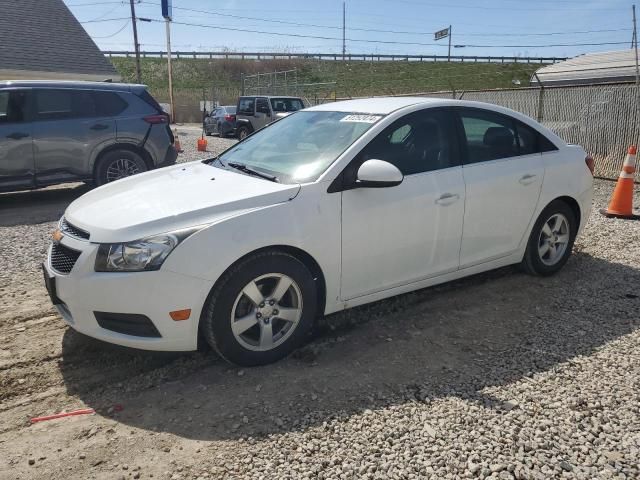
<point>600,67</point>
<point>44,36</point>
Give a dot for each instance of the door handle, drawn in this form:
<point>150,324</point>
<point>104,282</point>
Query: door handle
<point>17,135</point>
<point>447,199</point>
<point>527,179</point>
<point>99,126</point>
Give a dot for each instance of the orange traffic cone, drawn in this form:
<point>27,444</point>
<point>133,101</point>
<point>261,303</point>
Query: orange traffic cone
<point>176,141</point>
<point>202,144</point>
<point>621,205</point>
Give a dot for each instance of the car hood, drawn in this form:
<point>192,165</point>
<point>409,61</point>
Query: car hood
<point>169,199</point>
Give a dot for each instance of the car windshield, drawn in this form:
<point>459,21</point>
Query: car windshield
<point>301,146</point>
<point>286,104</point>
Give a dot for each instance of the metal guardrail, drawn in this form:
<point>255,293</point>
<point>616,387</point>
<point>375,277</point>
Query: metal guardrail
<point>371,57</point>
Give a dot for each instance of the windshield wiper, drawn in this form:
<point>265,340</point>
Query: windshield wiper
<point>251,171</point>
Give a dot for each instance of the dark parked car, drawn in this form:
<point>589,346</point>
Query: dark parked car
<point>221,121</point>
<point>253,113</point>
<point>54,132</point>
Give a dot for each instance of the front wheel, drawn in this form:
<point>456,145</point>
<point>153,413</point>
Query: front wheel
<point>261,310</point>
<point>551,240</point>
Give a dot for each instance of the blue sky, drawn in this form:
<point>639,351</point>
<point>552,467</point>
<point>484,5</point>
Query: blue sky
<point>497,27</point>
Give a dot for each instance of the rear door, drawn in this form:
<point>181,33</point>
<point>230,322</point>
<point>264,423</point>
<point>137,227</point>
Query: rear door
<point>503,174</point>
<point>16,148</point>
<point>67,131</point>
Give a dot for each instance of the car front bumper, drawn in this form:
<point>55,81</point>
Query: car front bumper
<point>83,295</point>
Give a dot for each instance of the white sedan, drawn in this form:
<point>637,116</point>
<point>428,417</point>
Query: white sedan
<point>331,207</point>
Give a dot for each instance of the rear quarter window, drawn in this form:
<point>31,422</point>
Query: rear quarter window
<point>109,104</point>
<point>246,106</point>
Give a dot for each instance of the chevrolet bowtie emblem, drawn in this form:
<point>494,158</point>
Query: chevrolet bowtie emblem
<point>57,236</point>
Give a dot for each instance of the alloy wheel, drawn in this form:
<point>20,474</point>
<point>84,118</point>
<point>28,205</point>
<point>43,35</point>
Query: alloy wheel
<point>553,239</point>
<point>266,312</point>
<point>121,168</point>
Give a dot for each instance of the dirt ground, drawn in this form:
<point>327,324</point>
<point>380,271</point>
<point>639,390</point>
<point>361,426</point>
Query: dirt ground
<point>475,344</point>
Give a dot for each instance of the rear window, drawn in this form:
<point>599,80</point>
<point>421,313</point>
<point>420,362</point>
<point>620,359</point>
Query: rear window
<point>231,110</point>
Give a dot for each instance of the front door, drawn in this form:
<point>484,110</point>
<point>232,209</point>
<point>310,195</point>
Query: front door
<point>399,235</point>
<point>16,140</point>
<point>263,113</point>
<point>503,173</point>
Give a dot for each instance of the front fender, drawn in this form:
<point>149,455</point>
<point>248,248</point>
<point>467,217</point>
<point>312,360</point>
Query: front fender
<point>309,222</point>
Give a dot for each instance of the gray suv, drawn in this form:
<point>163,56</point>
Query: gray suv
<point>54,132</point>
<point>254,112</point>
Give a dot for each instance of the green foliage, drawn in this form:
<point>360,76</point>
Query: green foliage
<point>353,78</point>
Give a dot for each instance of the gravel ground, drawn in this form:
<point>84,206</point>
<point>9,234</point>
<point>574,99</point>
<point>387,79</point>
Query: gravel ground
<point>500,375</point>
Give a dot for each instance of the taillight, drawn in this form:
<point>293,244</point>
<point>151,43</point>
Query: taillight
<point>230,118</point>
<point>156,119</point>
<point>591,164</point>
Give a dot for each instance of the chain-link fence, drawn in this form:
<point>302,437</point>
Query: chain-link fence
<point>285,82</point>
<point>603,119</point>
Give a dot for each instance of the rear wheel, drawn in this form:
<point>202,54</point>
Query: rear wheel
<point>551,240</point>
<point>118,164</point>
<point>243,132</point>
<point>261,310</point>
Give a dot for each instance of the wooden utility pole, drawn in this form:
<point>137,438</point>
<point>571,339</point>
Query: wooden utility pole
<point>635,38</point>
<point>344,30</point>
<point>169,71</point>
<point>135,41</point>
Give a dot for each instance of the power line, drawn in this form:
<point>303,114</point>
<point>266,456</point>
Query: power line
<point>116,33</point>
<point>375,30</point>
<point>106,20</point>
<point>390,42</point>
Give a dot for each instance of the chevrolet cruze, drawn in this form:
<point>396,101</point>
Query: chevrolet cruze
<point>331,207</point>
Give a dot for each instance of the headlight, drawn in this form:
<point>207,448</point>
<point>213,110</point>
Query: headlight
<point>140,255</point>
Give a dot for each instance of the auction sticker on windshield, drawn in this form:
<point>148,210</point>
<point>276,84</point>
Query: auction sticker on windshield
<point>361,118</point>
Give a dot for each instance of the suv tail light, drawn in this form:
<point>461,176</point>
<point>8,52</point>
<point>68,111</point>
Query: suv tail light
<point>230,118</point>
<point>590,163</point>
<point>156,119</point>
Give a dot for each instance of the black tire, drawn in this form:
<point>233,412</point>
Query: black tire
<point>533,263</point>
<point>243,132</point>
<point>215,321</point>
<point>110,159</point>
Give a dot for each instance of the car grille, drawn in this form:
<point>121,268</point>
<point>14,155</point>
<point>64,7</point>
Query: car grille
<point>73,231</point>
<point>63,258</point>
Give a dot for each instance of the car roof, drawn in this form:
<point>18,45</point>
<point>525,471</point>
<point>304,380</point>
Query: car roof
<point>126,87</point>
<point>378,105</point>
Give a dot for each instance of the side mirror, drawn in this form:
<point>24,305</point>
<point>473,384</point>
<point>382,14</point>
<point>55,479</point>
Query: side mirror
<point>378,174</point>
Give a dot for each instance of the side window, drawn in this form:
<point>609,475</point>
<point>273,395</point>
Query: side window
<point>246,106</point>
<point>262,106</point>
<point>109,104</point>
<point>418,142</point>
<point>13,106</point>
<point>52,104</point>
<point>489,135</point>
